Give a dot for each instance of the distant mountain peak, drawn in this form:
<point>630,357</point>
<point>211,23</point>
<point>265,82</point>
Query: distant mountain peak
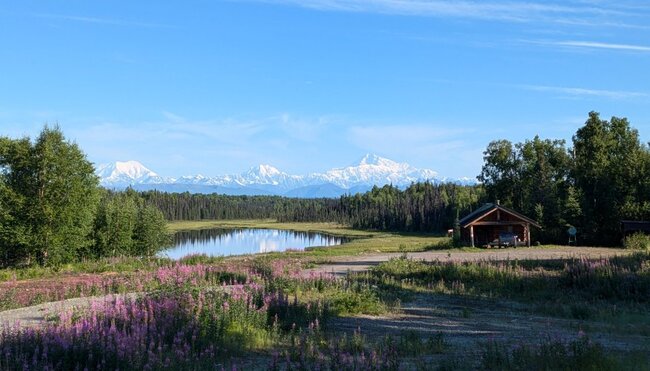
<point>124,171</point>
<point>376,160</point>
<point>371,170</point>
<point>264,170</point>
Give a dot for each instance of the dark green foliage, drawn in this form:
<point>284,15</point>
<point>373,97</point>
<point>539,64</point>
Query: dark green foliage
<point>114,224</point>
<point>187,206</point>
<point>51,193</point>
<point>531,177</point>
<point>637,241</point>
<point>610,168</point>
<point>602,180</point>
<point>422,207</point>
<point>125,226</point>
<point>52,210</point>
<point>150,232</point>
<point>581,354</point>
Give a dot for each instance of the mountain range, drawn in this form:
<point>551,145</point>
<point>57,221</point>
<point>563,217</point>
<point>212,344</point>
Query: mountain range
<point>371,170</point>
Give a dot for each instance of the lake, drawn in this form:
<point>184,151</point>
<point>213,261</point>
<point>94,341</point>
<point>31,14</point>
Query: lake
<point>216,242</point>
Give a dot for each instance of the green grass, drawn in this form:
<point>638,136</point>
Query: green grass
<point>612,294</point>
<point>361,242</point>
<point>105,265</point>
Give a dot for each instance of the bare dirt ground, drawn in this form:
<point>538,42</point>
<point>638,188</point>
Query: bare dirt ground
<point>466,322</point>
<point>463,321</point>
<point>343,264</point>
<point>38,315</point>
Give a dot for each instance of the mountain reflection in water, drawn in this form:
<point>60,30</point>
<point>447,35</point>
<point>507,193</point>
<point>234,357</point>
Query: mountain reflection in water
<point>215,242</point>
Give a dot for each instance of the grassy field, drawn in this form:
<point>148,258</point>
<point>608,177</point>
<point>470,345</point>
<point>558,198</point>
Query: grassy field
<point>265,312</point>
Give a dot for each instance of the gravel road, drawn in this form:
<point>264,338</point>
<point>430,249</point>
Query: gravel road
<point>342,265</point>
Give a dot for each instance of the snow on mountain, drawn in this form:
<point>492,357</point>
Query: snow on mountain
<point>268,175</point>
<point>126,173</point>
<point>375,170</point>
<point>371,170</point>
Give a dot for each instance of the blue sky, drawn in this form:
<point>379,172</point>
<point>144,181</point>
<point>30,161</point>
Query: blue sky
<point>215,87</point>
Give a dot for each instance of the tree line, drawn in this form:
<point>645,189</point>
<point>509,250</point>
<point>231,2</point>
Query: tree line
<point>188,206</point>
<point>422,207</point>
<point>602,179</point>
<point>53,211</point>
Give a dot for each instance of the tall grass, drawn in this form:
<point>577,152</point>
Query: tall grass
<point>622,278</point>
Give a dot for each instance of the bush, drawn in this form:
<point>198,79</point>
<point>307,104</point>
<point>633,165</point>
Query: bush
<point>637,241</point>
<point>581,354</point>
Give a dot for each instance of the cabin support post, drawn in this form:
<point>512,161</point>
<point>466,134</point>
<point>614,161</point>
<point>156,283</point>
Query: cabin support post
<point>471,234</point>
<point>528,233</point>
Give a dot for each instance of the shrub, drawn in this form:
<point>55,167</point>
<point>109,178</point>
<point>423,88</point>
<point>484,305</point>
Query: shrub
<point>581,354</point>
<point>637,241</point>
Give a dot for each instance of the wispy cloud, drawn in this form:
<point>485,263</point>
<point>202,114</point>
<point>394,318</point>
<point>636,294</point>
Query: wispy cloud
<point>100,21</point>
<point>582,92</point>
<point>487,10</point>
<point>303,129</point>
<point>591,45</point>
<point>407,141</point>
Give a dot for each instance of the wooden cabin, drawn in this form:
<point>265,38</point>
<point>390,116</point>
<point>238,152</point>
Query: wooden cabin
<point>496,225</point>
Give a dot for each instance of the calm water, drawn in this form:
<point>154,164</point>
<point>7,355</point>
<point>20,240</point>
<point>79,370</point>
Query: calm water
<point>217,242</point>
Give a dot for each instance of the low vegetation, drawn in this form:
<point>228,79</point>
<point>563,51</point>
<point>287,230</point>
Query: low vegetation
<point>61,237</point>
<point>615,289</point>
<point>637,241</point>
<point>265,313</point>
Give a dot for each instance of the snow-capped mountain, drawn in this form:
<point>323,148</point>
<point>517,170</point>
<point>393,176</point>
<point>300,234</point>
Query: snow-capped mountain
<point>371,170</point>
<point>126,173</point>
<point>374,170</point>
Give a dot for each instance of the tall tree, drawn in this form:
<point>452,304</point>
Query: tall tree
<point>501,173</point>
<point>114,224</point>
<point>544,179</point>
<point>150,233</point>
<point>610,171</point>
<point>55,194</point>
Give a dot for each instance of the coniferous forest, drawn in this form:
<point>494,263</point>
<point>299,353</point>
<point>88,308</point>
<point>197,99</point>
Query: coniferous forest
<point>603,178</point>
<point>422,207</point>
<point>54,211</point>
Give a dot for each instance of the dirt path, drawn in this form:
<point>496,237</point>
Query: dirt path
<point>467,322</point>
<point>37,315</point>
<point>344,264</point>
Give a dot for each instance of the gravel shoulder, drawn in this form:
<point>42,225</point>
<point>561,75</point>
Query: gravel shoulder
<point>343,264</point>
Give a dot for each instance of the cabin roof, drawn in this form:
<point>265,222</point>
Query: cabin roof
<point>635,226</point>
<point>489,207</point>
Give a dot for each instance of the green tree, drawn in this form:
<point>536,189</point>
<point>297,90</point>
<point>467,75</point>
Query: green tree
<point>611,173</point>
<point>150,233</point>
<point>53,194</point>
<point>15,231</point>
<point>115,224</point>
<point>501,173</point>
